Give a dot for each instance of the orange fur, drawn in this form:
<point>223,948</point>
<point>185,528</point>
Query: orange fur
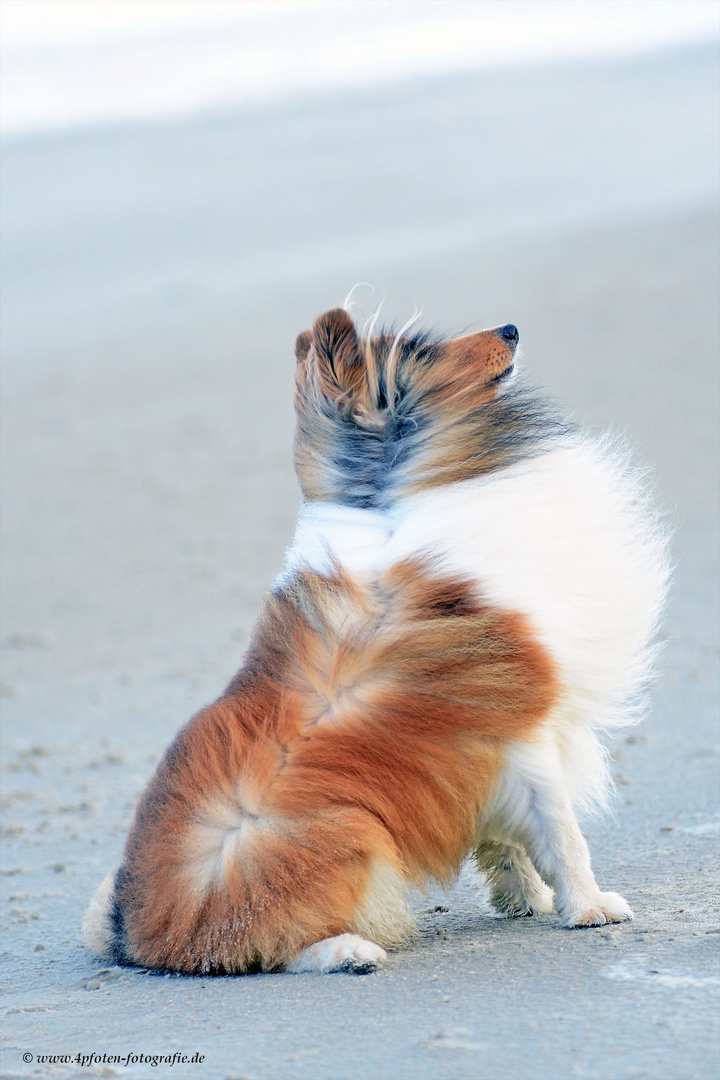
<point>367,723</point>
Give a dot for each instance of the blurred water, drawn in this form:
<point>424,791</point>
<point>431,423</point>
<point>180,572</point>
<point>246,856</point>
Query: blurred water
<point>106,229</point>
<point>70,63</point>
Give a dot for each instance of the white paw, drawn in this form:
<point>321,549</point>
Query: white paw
<point>346,952</point>
<point>606,907</point>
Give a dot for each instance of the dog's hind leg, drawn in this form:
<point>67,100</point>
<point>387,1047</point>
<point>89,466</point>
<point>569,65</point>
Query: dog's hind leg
<point>516,888</point>
<point>382,913</point>
<point>346,952</point>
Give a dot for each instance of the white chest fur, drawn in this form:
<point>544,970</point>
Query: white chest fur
<point>566,538</point>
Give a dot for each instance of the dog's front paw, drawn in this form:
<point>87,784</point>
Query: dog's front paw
<point>607,907</point>
<point>346,952</point>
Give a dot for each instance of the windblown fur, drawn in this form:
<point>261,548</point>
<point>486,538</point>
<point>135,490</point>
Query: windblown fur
<point>470,596</point>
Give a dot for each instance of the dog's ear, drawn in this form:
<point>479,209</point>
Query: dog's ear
<point>302,345</point>
<point>340,369</point>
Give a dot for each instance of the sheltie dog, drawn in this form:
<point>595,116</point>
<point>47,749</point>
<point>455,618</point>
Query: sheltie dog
<point>469,598</point>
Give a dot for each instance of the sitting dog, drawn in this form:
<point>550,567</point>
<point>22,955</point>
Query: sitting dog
<point>469,597</point>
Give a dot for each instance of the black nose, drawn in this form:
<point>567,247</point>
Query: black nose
<point>509,333</point>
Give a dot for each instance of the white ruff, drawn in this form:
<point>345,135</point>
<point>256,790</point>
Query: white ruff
<point>566,538</point>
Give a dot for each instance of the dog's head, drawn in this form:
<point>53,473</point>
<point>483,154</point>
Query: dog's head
<point>389,415</point>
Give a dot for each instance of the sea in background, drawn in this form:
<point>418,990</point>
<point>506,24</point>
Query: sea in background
<point>109,227</point>
<point>184,156</point>
<point>75,63</point>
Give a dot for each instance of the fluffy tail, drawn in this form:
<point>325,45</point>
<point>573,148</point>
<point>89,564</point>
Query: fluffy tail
<point>97,925</point>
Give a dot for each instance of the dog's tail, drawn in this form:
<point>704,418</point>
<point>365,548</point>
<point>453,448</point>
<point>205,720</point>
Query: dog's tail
<point>97,924</point>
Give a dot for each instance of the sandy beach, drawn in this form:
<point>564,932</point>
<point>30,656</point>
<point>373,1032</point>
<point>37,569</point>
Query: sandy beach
<point>154,279</point>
